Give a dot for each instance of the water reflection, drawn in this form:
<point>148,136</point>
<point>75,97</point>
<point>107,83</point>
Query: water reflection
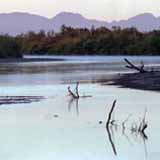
<point>100,70</point>
<point>137,130</point>
<point>110,134</point>
<point>133,136</point>
<point>73,102</point>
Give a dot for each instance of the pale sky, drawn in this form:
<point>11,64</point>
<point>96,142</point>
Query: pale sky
<point>96,9</point>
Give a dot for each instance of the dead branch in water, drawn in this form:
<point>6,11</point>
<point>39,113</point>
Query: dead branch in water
<point>110,113</point>
<point>76,94</point>
<point>130,65</point>
<point>108,127</point>
<point>77,91</point>
<point>71,93</point>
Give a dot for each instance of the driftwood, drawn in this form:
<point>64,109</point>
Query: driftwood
<point>144,79</point>
<point>72,94</point>
<point>130,65</point>
<point>75,95</point>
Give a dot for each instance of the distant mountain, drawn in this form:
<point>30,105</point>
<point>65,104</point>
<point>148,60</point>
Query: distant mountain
<point>75,20</point>
<point>17,23</point>
<point>143,22</point>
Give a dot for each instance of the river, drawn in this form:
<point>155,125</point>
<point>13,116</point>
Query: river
<point>64,129</point>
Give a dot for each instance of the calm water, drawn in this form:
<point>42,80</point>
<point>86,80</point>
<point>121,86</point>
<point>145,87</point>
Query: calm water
<point>33,132</point>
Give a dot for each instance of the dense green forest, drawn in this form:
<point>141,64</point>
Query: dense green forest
<point>100,41</point>
<point>9,47</point>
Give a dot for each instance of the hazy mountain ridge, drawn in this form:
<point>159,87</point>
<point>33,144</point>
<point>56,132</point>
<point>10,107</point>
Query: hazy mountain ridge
<point>143,22</point>
<point>17,23</point>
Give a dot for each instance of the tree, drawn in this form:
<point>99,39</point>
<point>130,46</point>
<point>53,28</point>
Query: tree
<point>9,48</point>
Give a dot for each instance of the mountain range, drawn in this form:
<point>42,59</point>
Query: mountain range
<point>17,22</point>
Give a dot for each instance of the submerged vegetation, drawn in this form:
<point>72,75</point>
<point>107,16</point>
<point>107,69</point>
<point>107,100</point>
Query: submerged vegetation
<point>136,129</point>
<point>80,41</point>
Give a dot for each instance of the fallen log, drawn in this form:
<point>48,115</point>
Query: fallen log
<point>130,65</point>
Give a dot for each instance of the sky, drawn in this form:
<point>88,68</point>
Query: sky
<point>95,9</point>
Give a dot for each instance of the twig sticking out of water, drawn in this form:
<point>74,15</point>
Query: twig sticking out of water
<point>110,113</point>
<point>76,94</point>
<point>77,91</point>
<point>135,128</point>
<point>108,127</point>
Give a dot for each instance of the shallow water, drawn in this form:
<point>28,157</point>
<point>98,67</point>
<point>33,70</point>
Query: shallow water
<point>55,129</point>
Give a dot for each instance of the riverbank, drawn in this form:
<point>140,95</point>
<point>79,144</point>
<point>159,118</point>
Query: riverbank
<point>104,70</point>
<point>143,81</point>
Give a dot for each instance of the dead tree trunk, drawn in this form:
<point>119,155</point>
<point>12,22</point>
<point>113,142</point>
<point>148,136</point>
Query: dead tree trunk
<point>130,65</point>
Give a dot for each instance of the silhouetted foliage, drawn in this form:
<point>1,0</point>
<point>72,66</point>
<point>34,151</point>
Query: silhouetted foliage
<point>9,47</point>
<point>70,41</point>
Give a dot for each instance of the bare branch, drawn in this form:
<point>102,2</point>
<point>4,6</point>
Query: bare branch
<point>71,93</point>
<point>76,94</point>
<point>130,65</point>
<point>110,113</point>
<point>108,129</point>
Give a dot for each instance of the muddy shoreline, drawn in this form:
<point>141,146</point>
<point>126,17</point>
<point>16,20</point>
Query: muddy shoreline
<point>143,81</point>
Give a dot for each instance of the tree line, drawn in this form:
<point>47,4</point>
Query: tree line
<point>82,41</point>
<point>9,47</point>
